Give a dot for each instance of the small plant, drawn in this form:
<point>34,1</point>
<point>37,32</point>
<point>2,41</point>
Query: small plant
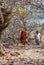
<point>21,10</point>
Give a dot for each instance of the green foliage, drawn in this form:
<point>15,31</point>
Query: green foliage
<point>42,26</point>
<point>21,10</point>
<point>42,29</point>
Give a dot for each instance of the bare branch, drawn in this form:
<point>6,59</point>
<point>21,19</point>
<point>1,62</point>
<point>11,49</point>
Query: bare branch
<point>37,5</point>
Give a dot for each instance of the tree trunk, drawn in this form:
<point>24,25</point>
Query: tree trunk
<point>1,15</point>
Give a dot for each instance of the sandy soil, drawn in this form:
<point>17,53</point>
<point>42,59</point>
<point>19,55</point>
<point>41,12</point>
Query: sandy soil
<point>20,55</point>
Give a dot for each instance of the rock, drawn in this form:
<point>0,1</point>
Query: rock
<point>14,53</point>
<point>2,49</point>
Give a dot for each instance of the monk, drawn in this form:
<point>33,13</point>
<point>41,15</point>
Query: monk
<point>23,37</point>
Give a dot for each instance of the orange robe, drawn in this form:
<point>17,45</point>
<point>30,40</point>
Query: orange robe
<point>24,36</point>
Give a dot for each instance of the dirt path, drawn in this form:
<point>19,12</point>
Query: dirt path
<point>23,56</point>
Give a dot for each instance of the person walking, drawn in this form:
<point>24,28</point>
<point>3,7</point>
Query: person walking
<point>37,37</point>
<point>24,36</point>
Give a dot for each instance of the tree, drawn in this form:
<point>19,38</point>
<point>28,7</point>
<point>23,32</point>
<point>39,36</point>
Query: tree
<point>4,21</point>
